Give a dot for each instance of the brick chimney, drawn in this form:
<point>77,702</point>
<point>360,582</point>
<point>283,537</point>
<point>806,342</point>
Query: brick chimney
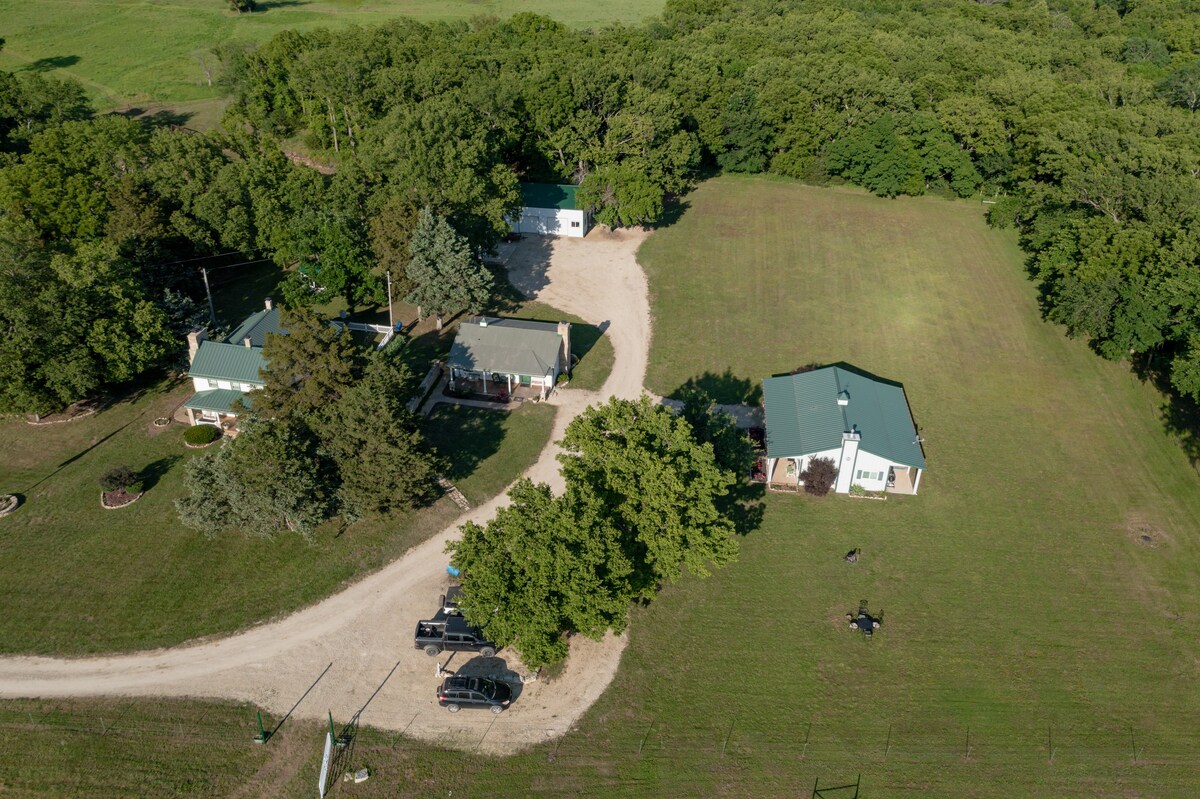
<point>564,354</point>
<point>194,338</point>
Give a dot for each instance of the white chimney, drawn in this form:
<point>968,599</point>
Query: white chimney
<point>194,338</point>
<point>268,303</point>
<point>845,473</point>
<point>247,342</point>
<point>564,353</point>
<point>843,397</point>
<point>483,321</point>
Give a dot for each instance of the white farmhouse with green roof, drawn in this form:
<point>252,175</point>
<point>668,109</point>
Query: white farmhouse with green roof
<point>492,354</point>
<point>223,372</point>
<point>550,210</point>
<point>860,422</point>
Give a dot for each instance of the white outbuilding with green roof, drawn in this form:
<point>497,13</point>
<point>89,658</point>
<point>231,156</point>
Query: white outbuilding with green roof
<point>550,210</point>
<point>860,422</point>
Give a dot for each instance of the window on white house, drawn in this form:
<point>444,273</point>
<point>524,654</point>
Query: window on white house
<point>224,384</point>
<point>574,224</point>
<point>859,476</point>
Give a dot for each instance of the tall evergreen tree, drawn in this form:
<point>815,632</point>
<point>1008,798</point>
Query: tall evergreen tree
<point>445,274</point>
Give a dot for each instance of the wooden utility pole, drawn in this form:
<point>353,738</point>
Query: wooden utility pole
<point>212,310</point>
<point>391,319</point>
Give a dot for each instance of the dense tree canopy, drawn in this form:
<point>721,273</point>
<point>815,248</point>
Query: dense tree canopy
<point>1077,119</point>
<point>642,505</point>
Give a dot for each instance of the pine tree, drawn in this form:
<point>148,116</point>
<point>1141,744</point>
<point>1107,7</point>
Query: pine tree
<point>445,274</point>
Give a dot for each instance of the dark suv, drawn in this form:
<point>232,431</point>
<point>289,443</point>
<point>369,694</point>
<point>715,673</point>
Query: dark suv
<point>460,692</point>
<point>445,633</point>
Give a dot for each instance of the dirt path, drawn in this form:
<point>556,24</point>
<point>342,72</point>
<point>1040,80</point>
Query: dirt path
<point>342,650</point>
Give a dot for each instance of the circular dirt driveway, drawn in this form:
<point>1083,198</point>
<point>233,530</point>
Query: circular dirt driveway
<point>352,652</point>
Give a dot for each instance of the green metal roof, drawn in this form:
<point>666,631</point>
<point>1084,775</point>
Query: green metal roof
<point>548,195</point>
<point>803,415</point>
<point>507,346</point>
<point>232,362</point>
<point>220,400</point>
<point>256,327</point>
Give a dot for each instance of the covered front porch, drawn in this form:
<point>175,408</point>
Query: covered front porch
<point>500,386</point>
<point>903,480</point>
<point>783,474</point>
<point>215,407</point>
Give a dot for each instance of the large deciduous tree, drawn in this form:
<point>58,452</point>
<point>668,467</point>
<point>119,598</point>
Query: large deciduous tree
<point>543,567</point>
<point>641,506</point>
<point>660,487</point>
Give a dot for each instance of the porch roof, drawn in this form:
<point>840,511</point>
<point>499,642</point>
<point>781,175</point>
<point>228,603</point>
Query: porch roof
<point>506,346</point>
<point>219,400</point>
<point>804,416</point>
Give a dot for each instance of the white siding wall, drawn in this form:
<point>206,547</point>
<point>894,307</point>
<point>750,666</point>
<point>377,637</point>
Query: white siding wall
<point>200,384</point>
<point>550,222</point>
<point>873,465</point>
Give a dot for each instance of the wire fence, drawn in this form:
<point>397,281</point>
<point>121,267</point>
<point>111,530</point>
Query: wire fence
<point>628,753</point>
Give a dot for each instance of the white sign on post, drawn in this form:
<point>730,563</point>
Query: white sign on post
<point>325,760</point>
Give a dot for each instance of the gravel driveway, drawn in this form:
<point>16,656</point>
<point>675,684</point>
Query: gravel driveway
<point>351,642</point>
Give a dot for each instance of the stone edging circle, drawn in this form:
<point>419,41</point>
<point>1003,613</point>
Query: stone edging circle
<point>136,497</point>
<point>11,501</point>
<point>216,440</point>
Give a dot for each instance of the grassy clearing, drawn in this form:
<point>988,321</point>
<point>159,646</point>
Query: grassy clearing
<point>469,437</point>
<point>146,53</point>
<point>79,579</point>
<point>169,748</point>
<point>1033,645</point>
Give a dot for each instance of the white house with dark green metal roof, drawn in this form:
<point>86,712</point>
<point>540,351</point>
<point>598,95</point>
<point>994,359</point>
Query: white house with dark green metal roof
<point>550,210</point>
<point>224,372</point>
<point>491,354</point>
<point>860,422</point>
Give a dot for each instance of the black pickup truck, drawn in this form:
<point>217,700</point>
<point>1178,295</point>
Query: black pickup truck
<point>451,633</point>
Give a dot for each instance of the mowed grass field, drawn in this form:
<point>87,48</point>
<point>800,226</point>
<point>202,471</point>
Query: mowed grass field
<point>1033,644</point>
<point>80,579</point>
<point>138,52</point>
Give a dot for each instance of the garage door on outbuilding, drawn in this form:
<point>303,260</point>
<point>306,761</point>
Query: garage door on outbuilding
<point>550,210</point>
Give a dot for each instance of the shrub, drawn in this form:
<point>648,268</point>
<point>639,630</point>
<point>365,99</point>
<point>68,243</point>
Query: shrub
<point>117,478</point>
<point>201,434</point>
<point>819,476</point>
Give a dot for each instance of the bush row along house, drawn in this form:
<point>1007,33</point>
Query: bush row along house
<point>860,422</point>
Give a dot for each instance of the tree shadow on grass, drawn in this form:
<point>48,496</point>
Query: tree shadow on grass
<point>153,472</point>
<point>464,436</point>
<point>1180,415</point>
<point>161,118</point>
<point>51,62</point>
<point>744,505</point>
<point>725,388</point>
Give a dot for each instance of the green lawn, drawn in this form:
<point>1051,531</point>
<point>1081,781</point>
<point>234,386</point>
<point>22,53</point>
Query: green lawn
<point>470,437</point>
<point>1020,607</point>
<point>1033,645</point>
<point>148,53</point>
<point>81,579</point>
